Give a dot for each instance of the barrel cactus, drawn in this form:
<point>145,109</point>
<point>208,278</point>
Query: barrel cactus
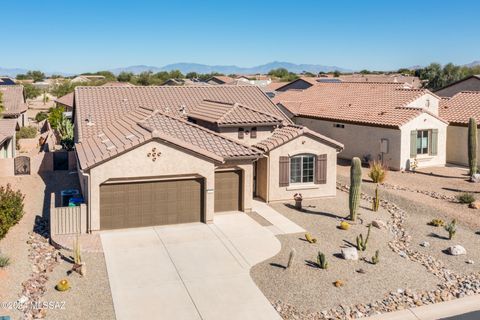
<point>355,186</point>
<point>472,146</point>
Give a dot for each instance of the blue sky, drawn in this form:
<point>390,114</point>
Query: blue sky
<point>87,35</point>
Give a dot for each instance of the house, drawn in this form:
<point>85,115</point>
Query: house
<point>411,81</point>
<point>174,154</point>
<point>8,128</point>
<point>14,103</point>
<point>458,110</point>
<point>7,81</point>
<point>375,121</point>
<point>298,84</point>
<point>471,83</point>
<point>87,78</point>
<point>220,80</point>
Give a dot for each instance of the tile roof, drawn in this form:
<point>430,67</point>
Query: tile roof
<point>7,128</point>
<point>377,104</point>
<point>415,82</point>
<point>461,107</point>
<point>273,86</point>
<point>287,133</point>
<point>222,79</point>
<point>231,114</point>
<point>103,105</point>
<point>67,100</point>
<point>121,118</point>
<point>13,101</point>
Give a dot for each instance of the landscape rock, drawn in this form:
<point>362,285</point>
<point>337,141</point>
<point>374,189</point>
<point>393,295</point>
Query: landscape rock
<point>379,224</point>
<point>425,244</point>
<point>475,178</point>
<point>457,250</point>
<point>474,205</point>
<point>469,262</point>
<point>350,253</point>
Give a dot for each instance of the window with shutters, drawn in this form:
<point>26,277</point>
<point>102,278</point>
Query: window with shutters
<point>423,140</point>
<point>302,168</point>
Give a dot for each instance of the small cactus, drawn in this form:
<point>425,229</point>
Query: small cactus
<point>472,146</point>
<point>344,225</point>
<point>355,185</point>
<point>322,261</point>
<point>376,257</point>
<point>361,242</point>
<point>376,200</point>
<point>451,228</point>
<point>77,258</point>
<point>291,258</point>
<point>436,223</point>
<point>309,238</point>
<point>62,285</point>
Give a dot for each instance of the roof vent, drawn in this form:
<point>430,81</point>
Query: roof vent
<point>183,109</point>
<point>89,120</point>
<point>124,99</point>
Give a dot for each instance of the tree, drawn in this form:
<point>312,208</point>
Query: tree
<point>176,74</point>
<point>55,116</point>
<point>336,73</point>
<point>63,88</point>
<point>65,131</point>
<point>36,75</point>
<point>22,76</point>
<point>192,75</point>
<point>31,92</point>
<point>125,76</point>
<point>109,76</point>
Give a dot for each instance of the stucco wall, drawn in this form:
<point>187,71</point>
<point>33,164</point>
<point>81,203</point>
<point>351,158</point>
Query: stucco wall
<point>472,84</point>
<point>301,145</point>
<point>135,163</point>
<point>359,141</point>
<point>428,102</point>
<point>262,133</point>
<point>424,122</point>
<point>457,141</point>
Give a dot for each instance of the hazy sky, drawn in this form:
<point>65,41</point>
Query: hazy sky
<point>87,35</point>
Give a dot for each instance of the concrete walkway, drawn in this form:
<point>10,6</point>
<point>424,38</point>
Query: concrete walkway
<point>281,224</point>
<point>459,309</point>
<point>190,271</point>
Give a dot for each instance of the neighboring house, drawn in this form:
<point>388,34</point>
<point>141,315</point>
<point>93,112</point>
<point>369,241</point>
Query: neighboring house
<point>411,81</point>
<point>14,104</point>
<point>220,80</point>
<point>7,81</point>
<point>397,125</point>
<point>471,83</point>
<point>8,128</point>
<point>142,161</point>
<point>87,78</point>
<point>457,111</point>
<point>298,84</point>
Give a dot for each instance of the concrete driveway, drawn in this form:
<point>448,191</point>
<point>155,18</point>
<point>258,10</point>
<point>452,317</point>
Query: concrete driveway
<point>190,271</point>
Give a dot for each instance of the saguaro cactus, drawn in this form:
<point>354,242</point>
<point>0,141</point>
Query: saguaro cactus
<point>355,186</point>
<point>472,146</point>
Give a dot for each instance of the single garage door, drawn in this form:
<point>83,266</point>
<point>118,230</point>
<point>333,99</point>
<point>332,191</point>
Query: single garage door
<point>142,204</point>
<point>228,191</point>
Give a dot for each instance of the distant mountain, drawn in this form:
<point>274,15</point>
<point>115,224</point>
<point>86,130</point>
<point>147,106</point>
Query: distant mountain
<point>11,72</point>
<point>232,69</point>
<point>473,64</point>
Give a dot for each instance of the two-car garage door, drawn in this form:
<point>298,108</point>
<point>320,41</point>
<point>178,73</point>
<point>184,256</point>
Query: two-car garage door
<point>148,203</point>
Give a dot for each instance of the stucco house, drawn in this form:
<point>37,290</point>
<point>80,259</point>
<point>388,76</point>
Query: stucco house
<point>173,154</point>
<point>457,111</point>
<point>471,83</point>
<point>8,129</point>
<point>385,121</point>
<point>14,104</point>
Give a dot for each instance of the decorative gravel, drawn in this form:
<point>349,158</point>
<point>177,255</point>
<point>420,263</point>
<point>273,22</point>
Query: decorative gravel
<point>311,289</point>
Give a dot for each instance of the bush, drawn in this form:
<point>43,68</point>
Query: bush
<point>4,261</point>
<point>11,208</point>
<point>378,171</point>
<point>27,133</point>
<point>466,198</point>
<point>41,116</point>
<point>55,116</point>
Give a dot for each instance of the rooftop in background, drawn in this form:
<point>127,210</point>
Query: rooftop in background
<point>7,129</point>
<point>378,104</point>
<point>6,81</point>
<point>461,107</point>
<point>13,100</point>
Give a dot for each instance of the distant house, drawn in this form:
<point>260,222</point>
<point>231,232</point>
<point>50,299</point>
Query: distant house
<point>14,104</point>
<point>412,81</point>
<point>87,78</point>
<point>397,125</point>
<point>457,111</point>
<point>471,83</point>
<point>8,128</point>
<point>220,80</point>
<point>7,81</point>
<point>298,84</point>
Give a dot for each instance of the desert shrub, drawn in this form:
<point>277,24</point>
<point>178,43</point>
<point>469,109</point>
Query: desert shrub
<point>4,261</point>
<point>11,208</point>
<point>436,223</point>
<point>41,116</point>
<point>451,228</point>
<point>378,171</point>
<point>27,133</point>
<point>466,198</point>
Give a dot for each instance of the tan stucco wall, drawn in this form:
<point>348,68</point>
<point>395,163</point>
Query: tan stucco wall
<point>424,122</point>
<point>301,145</point>
<point>232,133</point>
<point>135,163</point>
<point>457,141</point>
<point>428,102</point>
<point>358,140</point>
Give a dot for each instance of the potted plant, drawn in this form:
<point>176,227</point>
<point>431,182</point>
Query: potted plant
<point>298,201</point>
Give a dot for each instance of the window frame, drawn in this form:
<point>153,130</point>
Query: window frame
<point>421,136</point>
<point>302,176</point>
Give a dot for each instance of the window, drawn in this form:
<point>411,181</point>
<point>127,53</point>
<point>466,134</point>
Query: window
<point>423,137</point>
<point>253,133</point>
<point>241,133</point>
<point>338,125</point>
<point>302,168</point>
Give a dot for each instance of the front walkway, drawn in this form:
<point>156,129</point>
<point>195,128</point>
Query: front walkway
<point>190,271</point>
<point>280,224</point>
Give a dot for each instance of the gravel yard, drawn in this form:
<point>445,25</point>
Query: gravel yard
<point>311,289</point>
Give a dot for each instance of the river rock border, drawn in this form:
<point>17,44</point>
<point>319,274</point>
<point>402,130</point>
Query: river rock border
<point>452,285</point>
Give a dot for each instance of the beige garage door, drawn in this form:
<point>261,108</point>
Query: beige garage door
<point>141,204</point>
<point>228,191</point>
